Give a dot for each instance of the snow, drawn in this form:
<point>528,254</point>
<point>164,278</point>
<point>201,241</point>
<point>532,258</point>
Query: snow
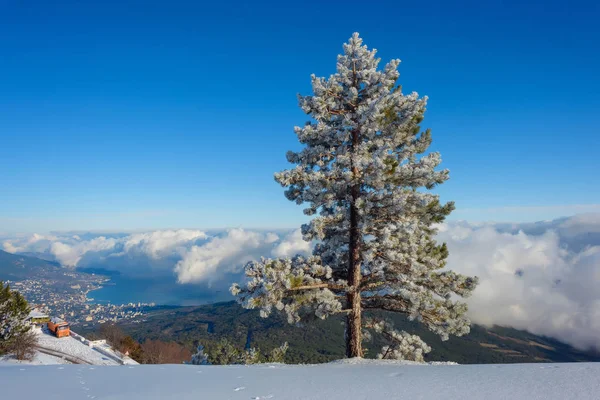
<point>105,349</point>
<point>35,313</point>
<point>74,349</point>
<point>77,347</point>
<point>342,380</point>
<point>39,359</point>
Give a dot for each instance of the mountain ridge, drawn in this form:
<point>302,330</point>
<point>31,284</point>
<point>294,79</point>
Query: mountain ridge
<point>20,267</point>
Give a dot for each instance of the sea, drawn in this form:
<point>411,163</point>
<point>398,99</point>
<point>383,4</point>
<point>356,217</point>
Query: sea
<point>161,290</point>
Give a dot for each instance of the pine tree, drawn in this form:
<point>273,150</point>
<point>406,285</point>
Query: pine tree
<point>200,358</point>
<point>14,311</point>
<point>363,162</point>
<point>226,353</point>
<point>277,355</point>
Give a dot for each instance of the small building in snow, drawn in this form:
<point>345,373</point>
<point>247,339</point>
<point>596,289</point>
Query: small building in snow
<point>36,317</point>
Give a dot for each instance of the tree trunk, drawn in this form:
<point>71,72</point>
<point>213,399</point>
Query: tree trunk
<point>353,327</point>
<point>353,322</point>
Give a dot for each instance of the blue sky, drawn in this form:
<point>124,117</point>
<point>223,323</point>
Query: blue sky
<point>143,114</point>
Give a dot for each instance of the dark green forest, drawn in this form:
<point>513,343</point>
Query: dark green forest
<point>320,341</point>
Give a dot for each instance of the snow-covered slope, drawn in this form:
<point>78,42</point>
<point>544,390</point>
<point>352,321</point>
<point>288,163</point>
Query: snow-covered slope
<point>73,349</point>
<point>369,380</point>
<point>38,359</point>
<point>70,346</point>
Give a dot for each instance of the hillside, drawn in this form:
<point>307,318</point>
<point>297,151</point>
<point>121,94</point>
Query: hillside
<point>322,341</point>
<point>73,349</point>
<point>42,256</point>
<point>19,267</point>
<point>345,380</point>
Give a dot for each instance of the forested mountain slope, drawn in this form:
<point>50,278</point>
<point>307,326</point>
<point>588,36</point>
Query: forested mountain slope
<point>322,341</point>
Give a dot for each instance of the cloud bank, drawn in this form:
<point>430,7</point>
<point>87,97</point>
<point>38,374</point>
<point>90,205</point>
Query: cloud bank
<point>192,256</point>
<point>543,277</point>
<point>542,281</point>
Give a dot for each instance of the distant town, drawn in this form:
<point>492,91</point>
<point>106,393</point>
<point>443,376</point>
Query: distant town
<point>68,299</point>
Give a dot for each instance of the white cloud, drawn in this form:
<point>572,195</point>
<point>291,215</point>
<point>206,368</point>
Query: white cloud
<point>581,224</point>
<point>291,245</point>
<point>70,255</point>
<point>271,237</point>
<point>529,281</point>
<point>72,250</point>
<point>221,255</point>
<point>160,243</point>
<point>9,247</point>
<point>191,255</point>
<point>34,242</point>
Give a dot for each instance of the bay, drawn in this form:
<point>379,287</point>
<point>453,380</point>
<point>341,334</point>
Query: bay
<point>122,289</point>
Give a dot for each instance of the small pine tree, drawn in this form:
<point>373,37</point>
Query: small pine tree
<point>277,355</point>
<point>364,161</point>
<point>250,356</point>
<point>226,353</point>
<point>14,311</point>
<point>200,358</point>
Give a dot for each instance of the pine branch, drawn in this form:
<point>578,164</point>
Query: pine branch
<point>329,286</point>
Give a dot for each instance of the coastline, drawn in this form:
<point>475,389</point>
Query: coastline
<point>91,300</point>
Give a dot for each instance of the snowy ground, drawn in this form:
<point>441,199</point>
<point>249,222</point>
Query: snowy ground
<point>325,381</point>
<point>39,359</point>
<point>73,349</point>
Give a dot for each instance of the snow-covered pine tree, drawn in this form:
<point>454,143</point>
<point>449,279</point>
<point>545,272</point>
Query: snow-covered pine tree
<point>200,358</point>
<point>363,162</point>
<point>13,315</point>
